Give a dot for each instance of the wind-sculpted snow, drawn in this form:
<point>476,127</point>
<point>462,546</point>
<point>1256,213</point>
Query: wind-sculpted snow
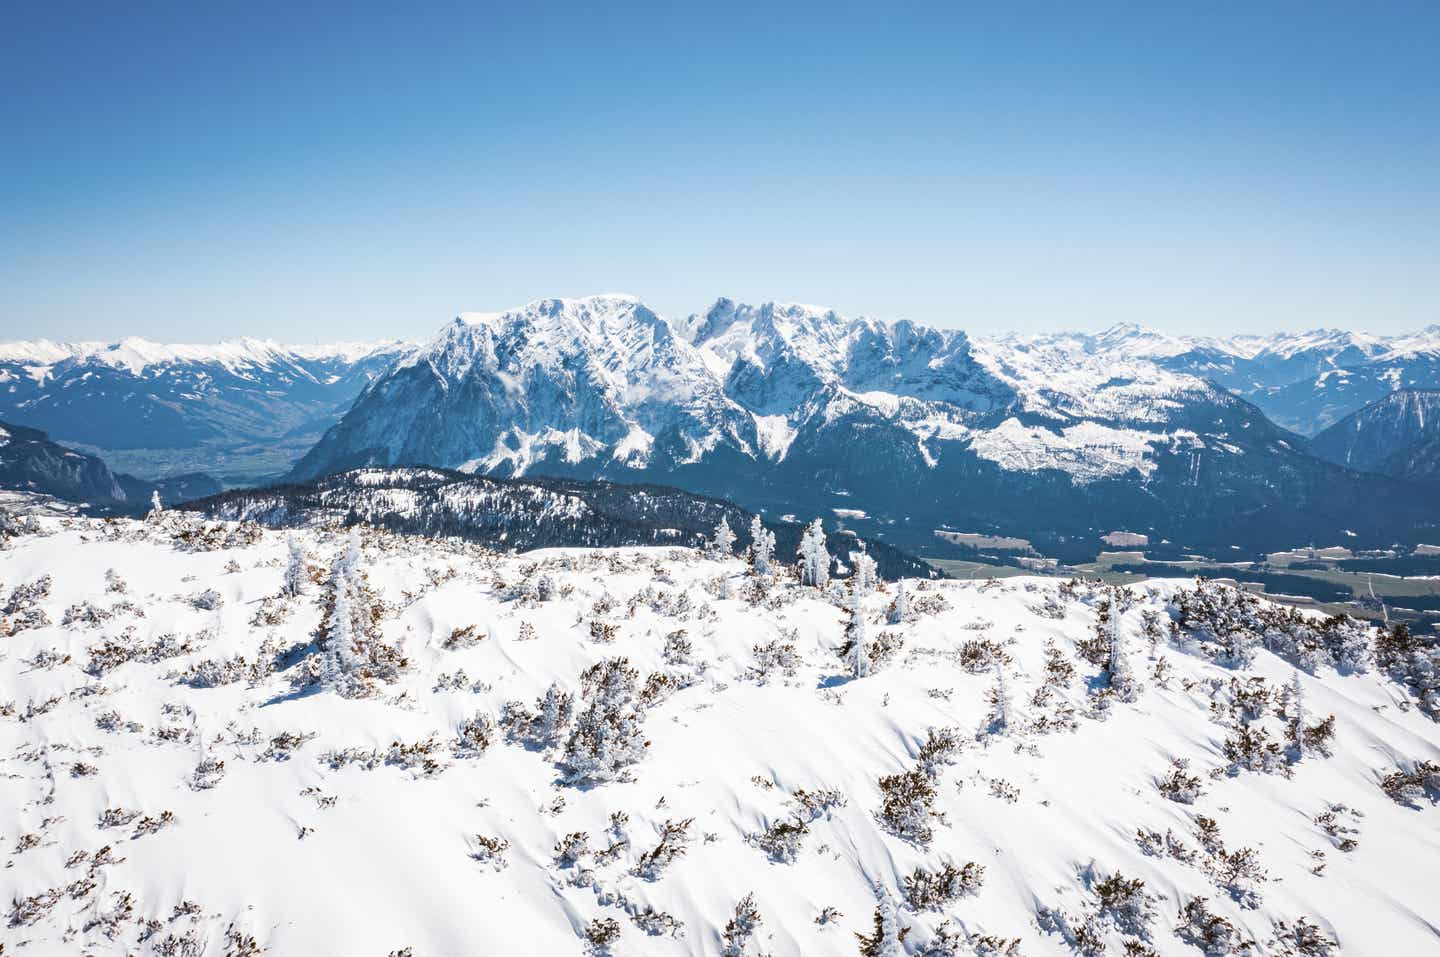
<point>219,739</point>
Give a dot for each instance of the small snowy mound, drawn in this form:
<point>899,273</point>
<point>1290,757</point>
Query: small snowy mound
<point>224,740</point>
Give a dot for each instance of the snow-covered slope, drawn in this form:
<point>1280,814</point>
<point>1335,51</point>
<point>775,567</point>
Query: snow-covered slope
<point>186,770</point>
<point>801,410</point>
<point>191,407</point>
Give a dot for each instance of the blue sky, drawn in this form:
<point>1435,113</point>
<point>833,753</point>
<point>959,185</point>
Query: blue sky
<point>353,171</point>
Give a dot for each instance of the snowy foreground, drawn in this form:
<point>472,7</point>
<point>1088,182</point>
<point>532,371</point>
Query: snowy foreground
<point>1028,767</point>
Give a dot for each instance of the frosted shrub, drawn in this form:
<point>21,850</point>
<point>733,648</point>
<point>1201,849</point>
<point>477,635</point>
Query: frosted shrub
<point>207,600</point>
<point>740,930</point>
<point>673,842</point>
<point>939,748</point>
<point>1250,748</point>
<point>907,805</point>
<point>1302,939</point>
<point>1180,785</point>
<point>607,735</point>
<point>1207,931</point>
<point>899,611</point>
<point>601,933</point>
<point>980,655</point>
<point>780,840</point>
<point>474,736</point>
<point>776,656</point>
<point>935,890</point>
<point>1409,786</point>
<point>1412,662</point>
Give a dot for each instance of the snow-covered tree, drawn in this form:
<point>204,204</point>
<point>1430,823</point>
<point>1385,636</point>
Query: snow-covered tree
<point>1002,708</point>
<point>340,663</point>
<point>296,574</point>
<point>762,546</point>
<point>900,607</point>
<point>887,936</point>
<point>157,508</point>
<point>1117,662</point>
<point>814,559</point>
<point>1296,692</point>
<point>864,574</point>
<point>723,546</point>
<point>857,641</point>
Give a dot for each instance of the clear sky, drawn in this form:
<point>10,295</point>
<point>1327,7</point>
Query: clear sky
<point>310,172</point>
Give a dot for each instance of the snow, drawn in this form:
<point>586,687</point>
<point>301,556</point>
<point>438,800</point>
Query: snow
<point>314,858</point>
<point>135,354</point>
<point>1088,451</point>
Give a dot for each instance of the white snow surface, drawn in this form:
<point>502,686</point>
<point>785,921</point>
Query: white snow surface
<point>310,858</point>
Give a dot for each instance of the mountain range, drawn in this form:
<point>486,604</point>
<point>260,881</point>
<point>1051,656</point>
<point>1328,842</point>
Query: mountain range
<point>897,428</point>
<point>241,409</point>
<point>893,429</point>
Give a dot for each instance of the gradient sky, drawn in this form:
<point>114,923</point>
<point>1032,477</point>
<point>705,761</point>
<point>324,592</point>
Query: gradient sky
<point>357,171</point>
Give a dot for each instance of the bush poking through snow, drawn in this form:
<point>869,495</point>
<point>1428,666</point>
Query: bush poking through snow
<point>1410,786</point>
<point>1180,785</point>
<point>601,933</point>
<point>907,805</point>
<point>673,843</point>
<point>740,930</point>
<point>934,890</point>
<point>607,736</point>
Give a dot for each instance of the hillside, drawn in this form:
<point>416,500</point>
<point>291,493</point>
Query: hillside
<point>30,462</point>
<point>523,514</point>
<point>214,742</point>
<point>1397,436</point>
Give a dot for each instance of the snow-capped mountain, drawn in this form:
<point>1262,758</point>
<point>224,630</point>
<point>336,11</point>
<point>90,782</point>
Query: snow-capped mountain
<point>169,408</point>
<point>1302,381</point>
<point>797,408</point>
<point>217,739</point>
<point>1399,435</point>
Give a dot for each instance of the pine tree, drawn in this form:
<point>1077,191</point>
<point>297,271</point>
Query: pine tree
<point>814,559</point>
<point>900,607</point>
<point>341,662</point>
<point>1296,730</point>
<point>857,642</point>
<point>762,546</point>
<point>296,574</point>
<point>1001,707</point>
<point>724,544</point>
<point>864,574</point>
<point>1117,665</point>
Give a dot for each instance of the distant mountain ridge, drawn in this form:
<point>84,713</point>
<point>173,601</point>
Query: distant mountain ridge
<point>171,408</point>
<point>788,407</point>
<point>1399,436</point>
